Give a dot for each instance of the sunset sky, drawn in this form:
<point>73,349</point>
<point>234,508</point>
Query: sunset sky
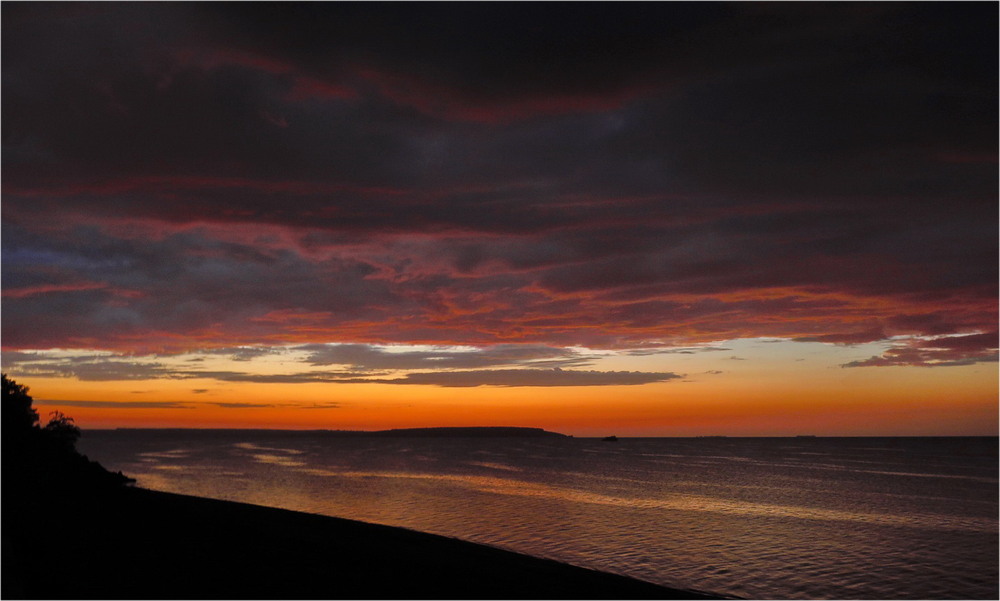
<point>637,219</point>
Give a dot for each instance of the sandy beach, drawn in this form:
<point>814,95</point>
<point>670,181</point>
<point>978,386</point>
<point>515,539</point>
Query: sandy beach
<point>139,544</point>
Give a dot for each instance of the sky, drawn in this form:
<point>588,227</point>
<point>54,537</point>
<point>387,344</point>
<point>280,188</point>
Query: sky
<point>642,219</point>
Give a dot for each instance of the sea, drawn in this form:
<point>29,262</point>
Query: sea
<point>761,518</point>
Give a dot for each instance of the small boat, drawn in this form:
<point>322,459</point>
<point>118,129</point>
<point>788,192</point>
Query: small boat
<point>610,439</point>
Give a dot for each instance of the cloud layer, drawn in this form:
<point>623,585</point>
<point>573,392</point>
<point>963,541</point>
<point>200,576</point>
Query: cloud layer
<point>365,365</point>
<point>523,178</point>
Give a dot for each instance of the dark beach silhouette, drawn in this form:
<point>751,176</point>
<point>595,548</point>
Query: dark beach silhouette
<point>73,530</point>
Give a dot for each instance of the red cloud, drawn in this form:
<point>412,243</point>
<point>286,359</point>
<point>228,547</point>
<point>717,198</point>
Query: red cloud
<point>222,191</point>
<point>442,102</point>
<point>305,88</point>
<point>291,316</point>
<point>49,288</point>
<point>165,183</point>
<point>219,57</point>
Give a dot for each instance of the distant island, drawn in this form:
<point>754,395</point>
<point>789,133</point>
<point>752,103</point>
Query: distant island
<point>478,432</point>
<point>447,432</point>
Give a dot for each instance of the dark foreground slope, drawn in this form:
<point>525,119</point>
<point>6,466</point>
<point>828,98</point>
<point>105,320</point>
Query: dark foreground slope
<point>136,544</point>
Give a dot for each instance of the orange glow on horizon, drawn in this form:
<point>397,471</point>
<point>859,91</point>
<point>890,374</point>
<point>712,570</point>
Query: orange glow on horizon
<point>872,402</point>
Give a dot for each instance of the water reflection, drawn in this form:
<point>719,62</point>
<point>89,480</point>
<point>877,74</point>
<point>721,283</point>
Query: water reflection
<point>748,518</point>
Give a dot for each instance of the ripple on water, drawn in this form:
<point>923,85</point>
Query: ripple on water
<point>735,517</point>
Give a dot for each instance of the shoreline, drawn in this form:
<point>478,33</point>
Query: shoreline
<point>135,543</point>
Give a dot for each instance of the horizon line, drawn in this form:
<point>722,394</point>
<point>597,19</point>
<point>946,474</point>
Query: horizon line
<point>597,436</point>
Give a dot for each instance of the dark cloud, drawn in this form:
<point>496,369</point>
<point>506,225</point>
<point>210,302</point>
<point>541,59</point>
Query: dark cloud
<point>104,368</point>
<point>948,351</point>
<point>967,343</point>
<point>319,406</point>
<point>110,368</point>
<point>233,176</point>
<point>14,357</point>
<point>99,370</point>
<point>675,351</point>
<point>848,337</point>
<point>181,283</point>
<point>125,405</point>
<point>293,378</point>
<point>364,357</point>
<point>118,405</point>
<point>533,377</point>
<point>243,353</point>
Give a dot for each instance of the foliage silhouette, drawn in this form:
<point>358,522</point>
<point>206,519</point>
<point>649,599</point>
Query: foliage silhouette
<point>62,431</point>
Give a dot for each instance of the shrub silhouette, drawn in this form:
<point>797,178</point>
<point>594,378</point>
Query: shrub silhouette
<point>62,431</point>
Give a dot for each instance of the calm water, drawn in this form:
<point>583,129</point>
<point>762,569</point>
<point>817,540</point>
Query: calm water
<point>855,518</point>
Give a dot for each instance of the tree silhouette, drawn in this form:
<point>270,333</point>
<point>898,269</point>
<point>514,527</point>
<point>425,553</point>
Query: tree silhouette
<point>21,434</point>
<point>18,414</point>
<point>46,458</point>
